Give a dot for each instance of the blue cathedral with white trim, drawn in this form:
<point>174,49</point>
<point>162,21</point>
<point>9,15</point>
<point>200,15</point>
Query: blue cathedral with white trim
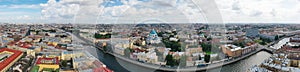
<point>153,37</point>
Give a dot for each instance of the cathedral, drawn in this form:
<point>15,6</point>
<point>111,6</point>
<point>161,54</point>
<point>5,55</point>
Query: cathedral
<point>153,37</point>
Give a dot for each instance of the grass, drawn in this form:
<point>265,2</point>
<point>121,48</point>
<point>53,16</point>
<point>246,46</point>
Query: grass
<point>257,41</point>
<point>208,52</point>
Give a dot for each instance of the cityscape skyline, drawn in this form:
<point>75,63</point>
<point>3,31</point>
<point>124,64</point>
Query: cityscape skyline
<point>149,35</point>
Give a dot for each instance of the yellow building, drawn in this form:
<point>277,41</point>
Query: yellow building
<point>66,40</point>
<point>28,51</point>
<point>67,55</point>
<point>53,43</point>
<point>52,63</point>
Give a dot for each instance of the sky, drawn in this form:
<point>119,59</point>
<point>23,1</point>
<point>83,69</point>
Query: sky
<point>147,11</point>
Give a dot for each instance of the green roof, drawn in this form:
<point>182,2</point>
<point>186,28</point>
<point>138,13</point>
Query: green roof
<point>35,69</point>
<point>48,69</point>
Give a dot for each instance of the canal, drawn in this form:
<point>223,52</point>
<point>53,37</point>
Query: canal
<point>245,64</point>
<point>121,66</point>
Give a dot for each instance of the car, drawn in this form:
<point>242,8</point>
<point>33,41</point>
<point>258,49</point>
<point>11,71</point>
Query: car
<point>201,65</point>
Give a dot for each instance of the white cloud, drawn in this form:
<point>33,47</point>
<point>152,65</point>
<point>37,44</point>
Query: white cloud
<point>60,9</point>
<point>259,10</point>
<point>29,6</point>
<point>93,11</point>
<point>68,11</point>
<point>128,12</point>
<point>24,17</point>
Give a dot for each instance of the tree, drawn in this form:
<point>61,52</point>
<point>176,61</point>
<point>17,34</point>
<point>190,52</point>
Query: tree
<point>174,32</point>
<point>200,58</point>
<point>127,52</point>
<point>160,34</point>
<point>276,37</point>
<point>170,60</point>
<point>206,47</point>
<point>99,36</point>
<point>64,63</point>
<point>105,48</point>
<point>171,36</point>
<point>175,46</point>
<point>208,39</point>
<point>57,70</point>
<point>207,58</point>
<point>241,44</point>
<point>263,43</point>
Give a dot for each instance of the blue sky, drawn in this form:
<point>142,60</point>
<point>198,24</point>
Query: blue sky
<point>12,2</point>
<point>129,11</point>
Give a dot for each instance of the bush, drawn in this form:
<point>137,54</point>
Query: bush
<point>99,36</point>
<point>175,46</point>
<point>64,63</point>
<point>206,47</point>
<point>207,58</point>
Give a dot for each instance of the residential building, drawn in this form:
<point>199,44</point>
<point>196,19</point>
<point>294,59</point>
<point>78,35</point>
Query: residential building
<point>8,57</point>
<point>47,63</point>
<point>231,50</point>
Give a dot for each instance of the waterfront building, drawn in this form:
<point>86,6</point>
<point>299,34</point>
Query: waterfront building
<point>119,45</point>
<point>8,57</point>
<point>149,57</point>
<point>295,39</point>
<point>231,50</point>
<point>85,62</point>
<point>251,46</point>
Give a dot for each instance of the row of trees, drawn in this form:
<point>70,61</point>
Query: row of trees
<point>52,31</point>
<point>170,60</point>
<point>175,46</point>
<point>100,36</point>
<point>264,41</point>
<point>206,47</point>
<point>241,44</point>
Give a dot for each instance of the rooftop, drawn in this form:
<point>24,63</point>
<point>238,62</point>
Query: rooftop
<point>47,60</point>
<point>11,58</point>
<point>232,47</point>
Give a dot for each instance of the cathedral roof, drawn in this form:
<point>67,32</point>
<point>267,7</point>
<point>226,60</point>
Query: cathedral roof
<point>153,31</point>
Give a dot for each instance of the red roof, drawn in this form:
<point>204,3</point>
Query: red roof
<point>24,45</point>
<point>107,70</point>
<point>101,67</point>
<point>12,43</point>
<point>55,60</point>
<point>9,60</point>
